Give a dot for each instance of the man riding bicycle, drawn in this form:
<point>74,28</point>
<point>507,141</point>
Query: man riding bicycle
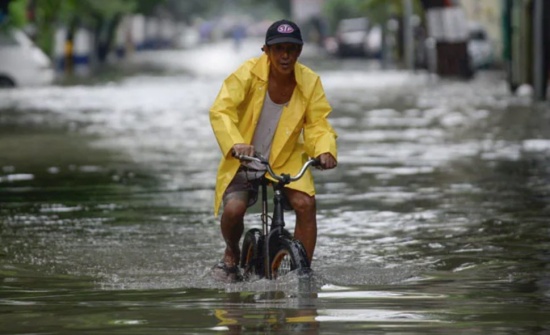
<point>276,107</point>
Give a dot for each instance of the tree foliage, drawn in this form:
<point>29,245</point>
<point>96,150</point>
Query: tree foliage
<point>101,16</point>
<point>12,14</point>
<point>378,11</point>
<point>284,6</point>
<point>189,9</point>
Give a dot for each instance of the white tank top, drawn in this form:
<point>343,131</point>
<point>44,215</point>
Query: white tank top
<point>265,129</point>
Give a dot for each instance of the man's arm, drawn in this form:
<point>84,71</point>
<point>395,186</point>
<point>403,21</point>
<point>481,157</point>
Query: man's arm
<point>223,113</point>
<point>319,136</point>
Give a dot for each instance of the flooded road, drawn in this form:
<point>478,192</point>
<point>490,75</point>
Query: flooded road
<point>436,220</point>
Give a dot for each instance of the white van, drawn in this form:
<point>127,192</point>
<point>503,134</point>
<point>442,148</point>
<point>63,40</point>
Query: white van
<point>22,63</point>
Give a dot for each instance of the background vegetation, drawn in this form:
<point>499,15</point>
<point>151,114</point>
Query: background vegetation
<point>103,16</point>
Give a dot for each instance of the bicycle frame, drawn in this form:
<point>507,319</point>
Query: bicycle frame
<point>278,210</point>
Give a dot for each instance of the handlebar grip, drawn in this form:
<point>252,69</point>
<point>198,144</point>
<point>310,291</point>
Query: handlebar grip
<point>316,162</point>
<point>240,156</point>
<point>255,158</point>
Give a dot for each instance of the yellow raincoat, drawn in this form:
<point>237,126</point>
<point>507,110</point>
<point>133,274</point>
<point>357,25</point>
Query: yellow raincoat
<point>303,130</point>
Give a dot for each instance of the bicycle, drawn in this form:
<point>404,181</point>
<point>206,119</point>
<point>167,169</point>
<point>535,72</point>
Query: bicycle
<point>272,252</point>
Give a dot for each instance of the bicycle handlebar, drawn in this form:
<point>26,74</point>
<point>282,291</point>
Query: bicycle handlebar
<point>285,178</point>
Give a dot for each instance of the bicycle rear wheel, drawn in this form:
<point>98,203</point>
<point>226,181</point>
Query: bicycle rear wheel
<point>251,254</point>
<point>289,255</point>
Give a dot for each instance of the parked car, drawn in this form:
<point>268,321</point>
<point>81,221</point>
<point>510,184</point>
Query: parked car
<point>352,37</point>
<point>480,48</point>
<point>22,63</point>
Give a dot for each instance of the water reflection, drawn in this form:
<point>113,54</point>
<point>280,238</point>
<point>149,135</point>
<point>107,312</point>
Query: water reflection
<point>310,312</point>
<point>268,312</point>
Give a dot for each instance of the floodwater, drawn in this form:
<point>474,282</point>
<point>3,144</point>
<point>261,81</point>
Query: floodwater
<point>435,221</point>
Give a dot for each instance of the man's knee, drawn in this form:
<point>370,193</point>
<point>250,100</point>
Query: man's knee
<point>302,202</point>
<point>234,209</point>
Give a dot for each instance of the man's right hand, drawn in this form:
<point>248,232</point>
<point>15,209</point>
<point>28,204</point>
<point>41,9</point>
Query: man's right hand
<point>241,149</point>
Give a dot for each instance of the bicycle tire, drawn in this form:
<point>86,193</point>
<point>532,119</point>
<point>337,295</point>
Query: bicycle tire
<point>251,253</point>
<point>288,255</point>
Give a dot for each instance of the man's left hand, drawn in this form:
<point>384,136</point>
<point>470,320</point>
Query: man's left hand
<point>327,161</point>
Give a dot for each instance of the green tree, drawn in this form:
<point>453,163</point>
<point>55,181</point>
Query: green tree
<point>189,9</point>
<point>336,10</point>
<point>101,16</point>
<point>284,6</point>
<point>378,11</point>
<point>12,13</point>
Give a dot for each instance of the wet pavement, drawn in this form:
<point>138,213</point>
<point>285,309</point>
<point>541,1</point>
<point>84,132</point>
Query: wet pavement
<point>436,220</point>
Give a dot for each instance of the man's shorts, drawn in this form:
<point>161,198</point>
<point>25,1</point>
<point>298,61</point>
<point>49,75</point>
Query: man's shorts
<point>244,186</point>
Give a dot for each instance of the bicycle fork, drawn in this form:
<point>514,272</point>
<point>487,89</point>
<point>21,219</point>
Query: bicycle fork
<point>272,234</point>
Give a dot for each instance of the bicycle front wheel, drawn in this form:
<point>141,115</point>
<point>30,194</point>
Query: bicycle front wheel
<point>251,253</point>
<point>289,255</point>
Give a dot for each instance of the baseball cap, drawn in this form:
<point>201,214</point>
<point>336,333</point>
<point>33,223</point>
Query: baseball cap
<point>283,31</point>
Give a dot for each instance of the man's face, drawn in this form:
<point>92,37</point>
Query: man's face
<point>283,56</point>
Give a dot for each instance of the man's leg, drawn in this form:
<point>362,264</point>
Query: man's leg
<point>306,220</point>
<point>232,226</point>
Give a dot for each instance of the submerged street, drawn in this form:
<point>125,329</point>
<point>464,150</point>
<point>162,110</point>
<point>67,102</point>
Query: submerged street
<point>435,221</point>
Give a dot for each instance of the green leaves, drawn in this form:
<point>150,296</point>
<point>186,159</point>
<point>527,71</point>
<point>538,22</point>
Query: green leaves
<point>15,14</point>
